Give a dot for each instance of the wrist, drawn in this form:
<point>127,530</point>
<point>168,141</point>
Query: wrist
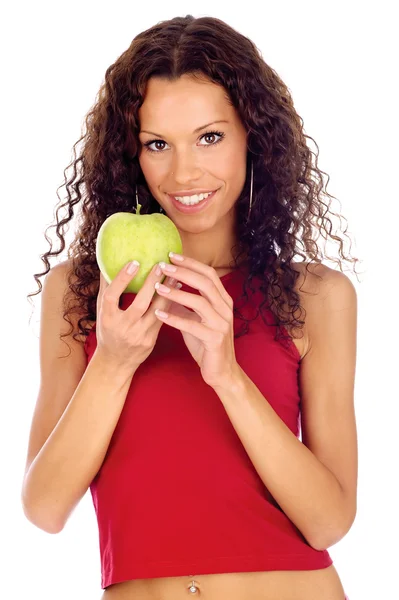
<point>111,366</point>
<point>233,383</point>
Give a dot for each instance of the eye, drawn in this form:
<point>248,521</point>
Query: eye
<point>220,134</point>
<point>213,133</point>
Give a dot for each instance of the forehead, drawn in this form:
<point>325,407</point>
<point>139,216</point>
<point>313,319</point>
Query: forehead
<point>183,104</point>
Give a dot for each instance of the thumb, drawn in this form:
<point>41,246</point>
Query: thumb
<point>103,285</point>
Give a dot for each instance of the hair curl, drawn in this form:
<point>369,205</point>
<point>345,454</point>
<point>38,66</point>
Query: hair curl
<point>287,205</point>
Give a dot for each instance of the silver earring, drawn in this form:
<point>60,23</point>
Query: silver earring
<point>137,202</point>
<point>250,194</point>
<point>252,232</point>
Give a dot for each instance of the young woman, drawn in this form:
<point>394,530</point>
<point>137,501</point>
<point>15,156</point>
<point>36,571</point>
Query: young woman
<point>181,406</point>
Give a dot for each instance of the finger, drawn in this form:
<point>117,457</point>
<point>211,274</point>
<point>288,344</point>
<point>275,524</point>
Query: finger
<point>209,336</point>
<point>181,311</point>
<point>162,303</point>
<point>102,287</point>
<point>207,288</point>
<point>208,271</point>
<point>111,292</point>
<point>144,296</point>
<point>209,316</point>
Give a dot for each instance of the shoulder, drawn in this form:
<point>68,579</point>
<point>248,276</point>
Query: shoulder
<point>63,269</point>
<point>317,284</point>
<point>322,290</point>
<point>63,272</point>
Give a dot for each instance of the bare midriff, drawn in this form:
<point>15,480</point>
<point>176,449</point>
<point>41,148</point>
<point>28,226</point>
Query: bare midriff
<point>269,585</point>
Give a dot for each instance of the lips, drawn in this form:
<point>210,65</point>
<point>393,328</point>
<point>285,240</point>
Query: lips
<point>193,208</point>
<point>188,195</point>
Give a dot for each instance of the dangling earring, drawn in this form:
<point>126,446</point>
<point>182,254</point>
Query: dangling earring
<point>252,232</point>
<point>137,202</point>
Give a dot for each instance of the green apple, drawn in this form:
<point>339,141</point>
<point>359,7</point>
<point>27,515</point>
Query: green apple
<point>124,237</point>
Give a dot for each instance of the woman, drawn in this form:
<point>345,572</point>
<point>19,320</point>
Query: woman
<point>184,425</point>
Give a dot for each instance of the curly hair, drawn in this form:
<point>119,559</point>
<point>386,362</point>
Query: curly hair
<point>288,212</point>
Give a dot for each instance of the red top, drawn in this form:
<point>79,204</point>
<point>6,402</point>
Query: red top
<point>177,494</point>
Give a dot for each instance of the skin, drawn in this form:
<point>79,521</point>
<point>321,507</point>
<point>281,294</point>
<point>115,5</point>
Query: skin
<point>328,350</point>
<point>184,160</point>
<point>327,346</point>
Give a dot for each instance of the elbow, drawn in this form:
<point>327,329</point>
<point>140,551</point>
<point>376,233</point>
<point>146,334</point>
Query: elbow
<point>41,518</point>
<point>324,542</point>
<point>42,522</point>
<point>331,535</point>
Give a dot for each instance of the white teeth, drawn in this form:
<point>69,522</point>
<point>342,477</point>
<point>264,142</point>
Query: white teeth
<point>190,200</point>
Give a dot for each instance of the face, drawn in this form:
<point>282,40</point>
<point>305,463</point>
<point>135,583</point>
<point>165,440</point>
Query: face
<point>174,157</point>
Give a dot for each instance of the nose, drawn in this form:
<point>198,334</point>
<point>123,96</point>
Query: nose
<point>186,170</point>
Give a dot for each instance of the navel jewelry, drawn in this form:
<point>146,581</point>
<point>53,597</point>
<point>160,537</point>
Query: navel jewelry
<point>193,589</point>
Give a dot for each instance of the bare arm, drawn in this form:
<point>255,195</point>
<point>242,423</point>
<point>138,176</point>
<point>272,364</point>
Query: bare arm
<point>314,482</point>
<point>61,473</point>
<point>79,405</point>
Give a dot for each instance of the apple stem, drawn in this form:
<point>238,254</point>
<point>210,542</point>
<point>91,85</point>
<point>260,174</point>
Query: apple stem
<point>138,209</point>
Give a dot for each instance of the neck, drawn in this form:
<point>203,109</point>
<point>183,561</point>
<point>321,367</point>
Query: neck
<point>212,246</point>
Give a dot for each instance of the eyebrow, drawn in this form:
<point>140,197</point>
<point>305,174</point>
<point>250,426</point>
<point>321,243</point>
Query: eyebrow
<point>195,130</point>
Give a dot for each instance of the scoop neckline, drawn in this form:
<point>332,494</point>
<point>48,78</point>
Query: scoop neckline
<point>242,268</point>
<point>226,276</point>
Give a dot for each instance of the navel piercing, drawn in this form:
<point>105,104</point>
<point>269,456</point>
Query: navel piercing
<point>193,589</point>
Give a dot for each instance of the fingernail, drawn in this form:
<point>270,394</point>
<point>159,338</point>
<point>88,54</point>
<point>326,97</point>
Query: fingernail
<point>132,266</point>
<point>176,256</point>
<point>167,267</point>
<point>158,270</point>
<point>162,288</point>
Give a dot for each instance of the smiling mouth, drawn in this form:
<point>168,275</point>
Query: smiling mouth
<point>176,197</point>
<point>195,206</point>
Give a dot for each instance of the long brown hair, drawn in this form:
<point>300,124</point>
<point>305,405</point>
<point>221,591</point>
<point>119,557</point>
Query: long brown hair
<point>289,205</point>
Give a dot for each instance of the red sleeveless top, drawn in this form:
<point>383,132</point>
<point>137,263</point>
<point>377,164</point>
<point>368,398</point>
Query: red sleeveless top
<point>177,494</point>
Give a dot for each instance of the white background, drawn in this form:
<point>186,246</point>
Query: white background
<point>338,61</point>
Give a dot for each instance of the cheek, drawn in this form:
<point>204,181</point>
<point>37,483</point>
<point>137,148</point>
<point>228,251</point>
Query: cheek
<point>233,171</point>
<point>223,166</point>
<point>235,177</point>
<point>234,159</point>
<point>151,171</point>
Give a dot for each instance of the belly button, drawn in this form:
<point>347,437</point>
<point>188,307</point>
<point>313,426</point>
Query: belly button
<point>193,588</point>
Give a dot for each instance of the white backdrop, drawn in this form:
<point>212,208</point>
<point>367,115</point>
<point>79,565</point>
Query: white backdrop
<point>338,61</point>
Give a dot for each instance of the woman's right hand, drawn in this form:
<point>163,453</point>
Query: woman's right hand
<point>127,337</point>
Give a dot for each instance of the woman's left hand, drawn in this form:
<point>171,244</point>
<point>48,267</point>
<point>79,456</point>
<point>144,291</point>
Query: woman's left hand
<point>207,329</point>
